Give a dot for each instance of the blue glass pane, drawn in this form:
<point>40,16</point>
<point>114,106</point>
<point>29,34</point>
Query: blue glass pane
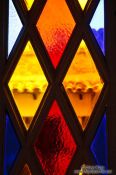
<point>12,146</point>
<point>15,26</point>
<point>97,25</point>
<point>99,145</point>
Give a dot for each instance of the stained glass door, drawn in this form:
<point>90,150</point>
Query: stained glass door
<point>55,104</point>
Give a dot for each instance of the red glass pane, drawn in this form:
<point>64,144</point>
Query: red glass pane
<point>55,26</point>
<point>55,145</point>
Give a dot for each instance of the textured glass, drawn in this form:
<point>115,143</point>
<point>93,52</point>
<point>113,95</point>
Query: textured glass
<point>83,84</point>
<point>55,26</point>
<point>29,3</point>
<point>28,84</point>
<point>97,25</point>
<point>15,26</point>
<point>55,146</point>
<point>26,171</point>
<point>99,146</point>
<point>12,146</point>
<point>82,3</point>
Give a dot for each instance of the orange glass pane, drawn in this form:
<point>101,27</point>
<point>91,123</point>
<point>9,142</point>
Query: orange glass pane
<point>28,84</point>
<point>26,171</point>
<point>55,26</point>
<point>82,3</point>
<point>29,3</point>
<point>83,84</point>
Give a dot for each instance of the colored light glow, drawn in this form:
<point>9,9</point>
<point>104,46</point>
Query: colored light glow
<point>55,146</point>
<point>29,3</point>
<point>26,170</point>
<point>15,26</point>
<point>28,84</point>
<point>83,84</point>
<point>82,3</point>
<point>55,26</point>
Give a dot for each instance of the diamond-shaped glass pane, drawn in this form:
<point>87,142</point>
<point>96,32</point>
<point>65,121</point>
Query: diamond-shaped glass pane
<point>26,170</point>
<point>12,146</point>
<point>55,26</point>
<point>15,26</point>
<point>55,146</point>
<point>28,84</point>
<point>83,84</point>
<point>29,3</point>
<point>97,25</point>
<point>99,145</point>
<point>82,3</point>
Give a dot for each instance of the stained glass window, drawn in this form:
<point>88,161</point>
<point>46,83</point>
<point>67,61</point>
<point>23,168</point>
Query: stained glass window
<point>54,146</point>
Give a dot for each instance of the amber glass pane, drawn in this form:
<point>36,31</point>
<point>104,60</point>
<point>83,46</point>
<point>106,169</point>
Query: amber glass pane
<point>26,171</point>
<point>55,26</point>
<point>29,3</point>
<point>55,146</point>
<point>83,84</point>
<point>28,84</point>
<point>82,3</point>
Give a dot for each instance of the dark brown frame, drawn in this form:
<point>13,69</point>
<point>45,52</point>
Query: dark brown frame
<point>106,66</point>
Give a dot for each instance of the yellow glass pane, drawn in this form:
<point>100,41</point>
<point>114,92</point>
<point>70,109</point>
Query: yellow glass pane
<point>26,171</point>
<point>82,3</point>
<point>83,84</point>
<point>29,3</point>
<point>28,84</point>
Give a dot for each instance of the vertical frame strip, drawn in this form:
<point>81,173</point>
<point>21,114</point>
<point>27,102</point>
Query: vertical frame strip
<point>3,53</point>
<point>111,62</point>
